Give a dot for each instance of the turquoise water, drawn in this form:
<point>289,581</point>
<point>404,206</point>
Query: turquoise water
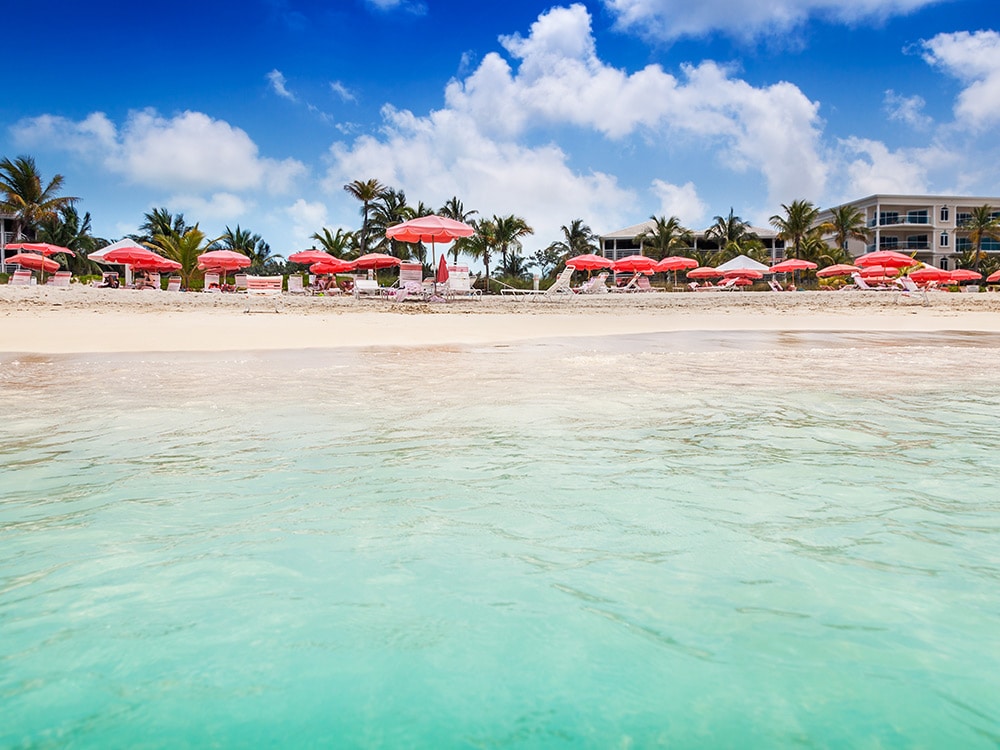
<point>730,540</point>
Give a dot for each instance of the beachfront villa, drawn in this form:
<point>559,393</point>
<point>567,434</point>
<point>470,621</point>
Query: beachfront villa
<point>928,225</point>
<point>621,243</point>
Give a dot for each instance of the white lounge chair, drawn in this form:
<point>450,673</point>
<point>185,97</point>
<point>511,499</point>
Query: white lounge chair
<point>264,286</point>
<point>295,285</point>
<point>459,283</point>
<point>20,278</point>
<point>860,283</point>
<point>367,288</point>
<point>726,286</point>
<point>174,284</point>
<point>212,282</point>
<point>909,288</point>
<point>775,286</point>
<point>594,285</point>
<point>60,279</point>
<point>240,282</point>
<point>559,286</point>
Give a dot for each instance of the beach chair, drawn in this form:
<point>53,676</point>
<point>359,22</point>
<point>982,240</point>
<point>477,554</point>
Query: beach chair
<point>594,285</point>
<point>212,282</point>
<point>909,288</point>
<point>154,279</point>
<point>20,278</point>
<point>863,285</point>
<point>240,282</point>
<point>60,279</point>
<point>174,284</point>
<point>295,285</point>
<point>264,286</point>
<point>642,284</point>
<point>459,284</point>
<point>368,288</point>
<point>559,286</point>
<point>411,272</point>
<point>775,286</point>
<point>629,286</point>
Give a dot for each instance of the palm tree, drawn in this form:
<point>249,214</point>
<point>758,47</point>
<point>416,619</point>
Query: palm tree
<point>847,223</point>
<point>665,237</point>
<point>339,243</point>
<point>68,229</point>
<point>578,239</point>
<point>160,222</point>
<point>184,248</point>
<point>508,233</point>
<point>453,209</point>
<point>481,245</point>
<point>252,246</point>
<point>388,211</point>
<point>367,192</point>
<point>23,197</point>
<point>982,223</point>
<point>797,222</point>
<point>734,237</point>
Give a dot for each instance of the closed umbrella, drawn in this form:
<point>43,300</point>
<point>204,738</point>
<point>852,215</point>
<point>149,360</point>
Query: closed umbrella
<point>442,271</point>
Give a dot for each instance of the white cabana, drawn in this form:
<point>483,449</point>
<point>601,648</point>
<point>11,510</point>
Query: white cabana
<point>742,262</point>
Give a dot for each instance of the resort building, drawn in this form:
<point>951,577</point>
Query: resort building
<point>930,226</point>
<point>6,235</point>
<point>615,245</point>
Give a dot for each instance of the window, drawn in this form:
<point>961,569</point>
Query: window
<point>916,242</point>
<point>888,243</point>
<point>943,242</point>
<point>888,217</point>
<point>962,217</point>
<point>944,214</point>
<point>917,217</point>
<point>944,264</point>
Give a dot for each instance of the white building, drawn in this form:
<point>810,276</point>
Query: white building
<point>928,225</point>
<point>622,242</point>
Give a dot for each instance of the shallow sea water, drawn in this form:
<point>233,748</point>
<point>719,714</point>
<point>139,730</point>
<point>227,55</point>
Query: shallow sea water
<point>728,540</point>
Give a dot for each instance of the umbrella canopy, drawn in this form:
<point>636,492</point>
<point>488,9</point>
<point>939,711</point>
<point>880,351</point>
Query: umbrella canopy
<point>878,271</point>
<point>676,263</point>
<point>307,257</point>
<point>101,255</point>
<point>994,277</point>
<point>376,261</point>
<point>742,261</point>
<point>704,272</point>
<point>40,247</point>
<point>634,263</point>
<point>889,258</point>
<point>791,265</point>
<point>841,269</point>
<point>442,273</point>
<point>742,273</point>
<point>429,229</point>
<point>331,264</point>
<point>589,262</point>
<point>159,263</point>
<point>965,274</point>
<point>929,273</point>
<point>223,260</point>
<point>34,261</point>
<point>131,255</point>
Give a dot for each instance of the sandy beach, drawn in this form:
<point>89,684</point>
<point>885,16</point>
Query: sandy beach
<point>85,319</point>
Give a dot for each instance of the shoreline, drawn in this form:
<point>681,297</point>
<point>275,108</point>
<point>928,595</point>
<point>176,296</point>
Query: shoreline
<point>88,320</point>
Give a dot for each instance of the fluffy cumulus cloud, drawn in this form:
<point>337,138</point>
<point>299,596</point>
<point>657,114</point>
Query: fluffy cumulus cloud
<point>681,201</point>
<point>906,109</point>
<point>219,207</point>
<point>476,144</point>
<point>306,217</point>
<point>870,167</point>
<point>672,19</point>
<point>190,151</point>
<point>973,59</point>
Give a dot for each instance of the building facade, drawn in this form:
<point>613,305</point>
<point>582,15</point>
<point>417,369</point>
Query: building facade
<point>623,242</point>
<point>930,227</point>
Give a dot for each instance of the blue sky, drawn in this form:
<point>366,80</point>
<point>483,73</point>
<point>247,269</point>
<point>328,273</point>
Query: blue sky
<point>257,114</point>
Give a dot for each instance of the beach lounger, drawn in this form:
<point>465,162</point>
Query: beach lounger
<point>60,279</point>
<point>240,282</point>
<point>860,283</point>
<point>264,286</point>
<point>594,285</point>
<point>212,282</point>
<point>775,286</point>
<point>174,284</point>
<point>368,288</point>
<point>559,286</point>
<point>20,278</point>
<point>726,286</point>
<point>295,285</point>
<point>459,284</point>
<point>909,288</point>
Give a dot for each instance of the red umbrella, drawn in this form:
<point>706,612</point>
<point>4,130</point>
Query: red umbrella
<point>878,271</point>
<point>221,260</point>
<point>676,263</point>
<point>159,263</point>
<point>331,264</point>
<point>131,255</point>
<point>32,260</point>
<point>40,247</point>
<point>965,274</point>
<point>307,257</point>
<point>742,273</point>
<point>889,258</point>
<point>929,273</point>
<point>743,281</point>
<point>431,229</point>
<point>589,262</point>
<point>704,272</point>
<point>994,277</point>
<point>791,265</point>
<point>635,263</point>
<point>374,261</point>
<point>841,269</point>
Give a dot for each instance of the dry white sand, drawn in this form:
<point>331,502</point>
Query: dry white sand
<point>84,319</point>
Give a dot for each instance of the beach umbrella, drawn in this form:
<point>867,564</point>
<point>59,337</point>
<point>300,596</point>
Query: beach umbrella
<point>878,271</point>
<point>929,273</point>
<point>742,273</point>
<point>40,247</point>
<point>704,272</point>
<point>307,257</point>
<point>130,255</point>
<point>431,229</point>
<point>841,269</point>
<point>34,261</point>
<point>964,274</point>
<point>159,263</point>
<point>223,260</point>
<point>676,263</point>
<point>331,264</point>
<point>589,262</point>
<point>375,261</point>
<point>635,264</point>
<point>994,277</point>
<point>792,265</point>
<point>442,273</point>
<point>889,258</point>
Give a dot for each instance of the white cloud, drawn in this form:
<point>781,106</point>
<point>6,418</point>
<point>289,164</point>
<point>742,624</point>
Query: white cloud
<point>681,201</point>
<point>307,218</point>
<point>748,19</point>
<point>342,91</point>
<point>219,208</point>
<point>408,6</point>
<point>876,169</point>
<point>277,80</point>
<point>190,151</point>
<point>906,109</point>
<point>974,59</point>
